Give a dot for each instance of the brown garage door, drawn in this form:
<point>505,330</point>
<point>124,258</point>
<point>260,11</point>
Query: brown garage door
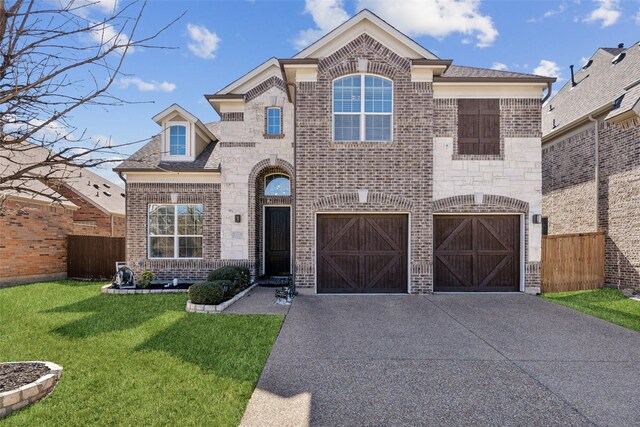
<point>362,253</point>
<point>479,253</point>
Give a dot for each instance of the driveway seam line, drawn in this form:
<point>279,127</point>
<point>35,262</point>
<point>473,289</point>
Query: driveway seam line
<point>514,363</point>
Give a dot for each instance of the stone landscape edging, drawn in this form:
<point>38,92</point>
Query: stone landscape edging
<point>18,398</point>
<point>211,308</point>
<point>107,289</point>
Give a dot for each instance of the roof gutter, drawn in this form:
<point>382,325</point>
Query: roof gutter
<point>577,122</point>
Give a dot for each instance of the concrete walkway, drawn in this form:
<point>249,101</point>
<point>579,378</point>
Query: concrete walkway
<point>259,300</point>
<point>450,360</point>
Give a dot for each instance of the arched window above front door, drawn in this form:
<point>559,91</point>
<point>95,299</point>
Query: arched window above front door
<point>277,185</point>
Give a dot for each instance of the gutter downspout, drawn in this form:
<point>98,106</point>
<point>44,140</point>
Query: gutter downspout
<point>295,180</point>
<point>596,174</point>
<point>549,84</point>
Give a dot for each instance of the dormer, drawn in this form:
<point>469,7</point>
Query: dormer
<point>184,136</point>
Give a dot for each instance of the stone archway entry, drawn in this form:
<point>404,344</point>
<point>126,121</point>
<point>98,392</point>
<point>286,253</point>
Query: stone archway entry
<point>277,240</point>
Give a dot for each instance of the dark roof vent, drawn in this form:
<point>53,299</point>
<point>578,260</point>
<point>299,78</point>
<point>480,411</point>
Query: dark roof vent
<point>588,64</point>
<point>620,45</point>
<point>122,194</point>
<point>617,102</point>
<point>573,80</point>
<point>554,124</point>
<point>106,185</point>
<point>550,107</point>
<point>97,194</point>
<point>619,57</point>
<point>106,193</point>
<point>96,186</point>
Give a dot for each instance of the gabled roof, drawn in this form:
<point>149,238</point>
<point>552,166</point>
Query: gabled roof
<point>107,196</point>
<point>598,87</point>
<point>264,71</point>
<point>365,22</point>
<point>177,109</point>
<point>455,72</point>
<point>149,158</point>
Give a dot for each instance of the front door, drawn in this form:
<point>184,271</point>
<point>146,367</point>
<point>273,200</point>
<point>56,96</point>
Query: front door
<point>277,241</point>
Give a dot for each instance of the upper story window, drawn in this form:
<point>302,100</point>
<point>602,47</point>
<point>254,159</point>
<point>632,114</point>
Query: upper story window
<point>274,121</point>
<point>178,140</point>
<point>362,108</point>
<point>479,126</point>
<point>277,185</point>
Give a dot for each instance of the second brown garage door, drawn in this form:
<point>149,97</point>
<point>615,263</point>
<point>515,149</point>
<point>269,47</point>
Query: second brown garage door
<point>362,253</point>
<point>476,253</point>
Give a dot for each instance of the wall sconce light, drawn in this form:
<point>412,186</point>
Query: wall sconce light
<point>238,217</point>
<point>537,218</point>
<point>363,195</point>
<point>174,197</point>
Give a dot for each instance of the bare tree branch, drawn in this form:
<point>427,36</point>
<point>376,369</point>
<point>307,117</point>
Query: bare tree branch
<point>54,60</point>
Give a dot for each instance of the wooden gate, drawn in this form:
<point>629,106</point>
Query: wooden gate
<point>572,262</point>
<point>94,257</point>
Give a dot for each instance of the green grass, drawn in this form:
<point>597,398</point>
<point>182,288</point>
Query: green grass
<point>132,359</point>
<point>607,304</point>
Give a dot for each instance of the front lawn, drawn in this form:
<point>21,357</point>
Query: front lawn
<point>132,359</point>
<point>607,304</point>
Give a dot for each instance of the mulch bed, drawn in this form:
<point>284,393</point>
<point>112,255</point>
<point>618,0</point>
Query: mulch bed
<point>15,375</point>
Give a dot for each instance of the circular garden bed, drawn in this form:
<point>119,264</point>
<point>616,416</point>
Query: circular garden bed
<point>22,383</point>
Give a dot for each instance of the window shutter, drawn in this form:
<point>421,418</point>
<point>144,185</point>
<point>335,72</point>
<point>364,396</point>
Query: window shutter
<point>478,126</point>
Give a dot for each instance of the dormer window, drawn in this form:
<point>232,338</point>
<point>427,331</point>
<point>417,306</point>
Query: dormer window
<point>178,140</point>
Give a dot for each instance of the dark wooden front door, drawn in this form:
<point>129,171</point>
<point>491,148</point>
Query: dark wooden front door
<point>277,241</point>
<point>362,253</point>
<point>476,253</point>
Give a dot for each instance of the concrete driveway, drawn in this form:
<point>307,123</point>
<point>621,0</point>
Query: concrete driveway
<point>447,360</point>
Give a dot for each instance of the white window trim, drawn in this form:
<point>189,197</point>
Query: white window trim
<point>187,140</point>
<point>274,107</point>
<point>362,113</point>
<point>264,187</point>
<point>175,235</point>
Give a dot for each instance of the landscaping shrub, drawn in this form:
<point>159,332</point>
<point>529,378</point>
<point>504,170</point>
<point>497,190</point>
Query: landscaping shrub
<point>145,279</point>
<point>206,293</point>
<point>234,273</point>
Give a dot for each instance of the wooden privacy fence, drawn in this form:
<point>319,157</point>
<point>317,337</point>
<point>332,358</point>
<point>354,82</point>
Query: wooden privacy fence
<point>94,257</point>
<point>572,262</point>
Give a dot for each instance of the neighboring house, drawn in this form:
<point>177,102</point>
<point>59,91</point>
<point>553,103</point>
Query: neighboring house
<point>34,230</point>
<point>362,164</point>
<point>591,158</point>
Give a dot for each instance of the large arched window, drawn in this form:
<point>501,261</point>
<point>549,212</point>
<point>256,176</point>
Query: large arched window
<point>277,185</point>
<point>362,108</point>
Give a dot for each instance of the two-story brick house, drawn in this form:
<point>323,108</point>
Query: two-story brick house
<point>591,158</point>
<point>364,163</point>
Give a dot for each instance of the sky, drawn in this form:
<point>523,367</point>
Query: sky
<point>216,42</point>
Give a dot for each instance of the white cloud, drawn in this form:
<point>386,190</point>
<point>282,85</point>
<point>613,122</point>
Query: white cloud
<point>608,13</point>
<point>49,133</point>
<point>436,18</point>
<point>203,42</point>
<point>84,7</point>
<point>327,14</point>
<point>549,13</point>
<point>548,68</point>
<point>106,34</point>
<point>499,66</point>
<point>146,86</point>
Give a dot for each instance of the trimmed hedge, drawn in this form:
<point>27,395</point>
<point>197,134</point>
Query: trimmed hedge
<point>206,293</point>
<point>234,273</point>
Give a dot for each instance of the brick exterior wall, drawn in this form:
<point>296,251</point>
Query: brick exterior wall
<point>33,245</point>
<point>400,168</point>
<point>569,194</point>
<point>140,195</point>
<point>100,222</point>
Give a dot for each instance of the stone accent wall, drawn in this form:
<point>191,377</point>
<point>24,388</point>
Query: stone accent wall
<point>140,195</point>
<point>33,246</point>
<point>332,171</point>
<point>569,194</point>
